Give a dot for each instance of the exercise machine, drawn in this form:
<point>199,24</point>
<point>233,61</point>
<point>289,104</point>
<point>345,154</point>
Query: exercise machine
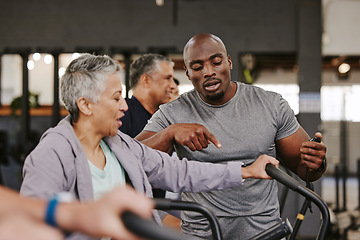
<point>151,230</point>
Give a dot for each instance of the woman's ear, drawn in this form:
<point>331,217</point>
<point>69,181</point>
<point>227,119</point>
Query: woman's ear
<point>85,106</point>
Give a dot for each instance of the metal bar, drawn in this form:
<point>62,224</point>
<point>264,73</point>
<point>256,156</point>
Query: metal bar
<point>337,194</point>
<point>358,177</point>
<point>293,184</point>
<point>0,78</point>
<point>301,214</point>
<point>127,61</point>
<point>56,103</point>
<point>175,12</point>
<point>343,158</point>
<point>25,107</point>
<point>166,204</point>
<point>127,52</point>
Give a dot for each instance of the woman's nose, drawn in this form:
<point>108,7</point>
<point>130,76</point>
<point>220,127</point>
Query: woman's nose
<point>123,105</point>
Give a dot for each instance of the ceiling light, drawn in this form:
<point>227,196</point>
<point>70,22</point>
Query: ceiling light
<point>344,68</point>
<point>48,59</point>
<point>30,65</point>
<point>75,55</point>
<point>159,3</point>
<point>61,71</point>
<point>343,71</point>
<point>36,56</point>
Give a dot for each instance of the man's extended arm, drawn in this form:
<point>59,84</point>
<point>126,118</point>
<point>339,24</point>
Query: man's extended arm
<point>194,136</point>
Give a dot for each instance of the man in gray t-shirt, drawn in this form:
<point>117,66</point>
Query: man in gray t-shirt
<point>243,122</point>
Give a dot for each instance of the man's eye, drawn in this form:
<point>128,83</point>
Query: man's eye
<point>196,67</point>
<point>217,63</point>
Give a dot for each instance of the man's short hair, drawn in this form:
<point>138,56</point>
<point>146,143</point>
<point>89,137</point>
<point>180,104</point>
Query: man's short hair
<point>146,64</point>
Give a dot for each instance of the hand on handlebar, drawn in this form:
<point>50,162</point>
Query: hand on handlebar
<point>257,169</point>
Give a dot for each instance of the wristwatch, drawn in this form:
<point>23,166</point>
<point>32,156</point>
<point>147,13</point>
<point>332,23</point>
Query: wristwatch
<point>52,205</point>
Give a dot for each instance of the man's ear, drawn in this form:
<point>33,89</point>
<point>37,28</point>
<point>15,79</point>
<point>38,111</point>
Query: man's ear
<point>85,106</point>
<point>187,73</point>
<point>229,61</point>
<point>145,80</point>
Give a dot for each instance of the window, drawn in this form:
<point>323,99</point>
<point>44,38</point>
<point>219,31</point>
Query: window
<point>340,103</point>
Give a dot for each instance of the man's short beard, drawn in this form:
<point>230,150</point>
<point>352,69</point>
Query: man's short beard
<point>216,96</point>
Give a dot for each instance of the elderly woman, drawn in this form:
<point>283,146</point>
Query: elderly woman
<point>86,155</point>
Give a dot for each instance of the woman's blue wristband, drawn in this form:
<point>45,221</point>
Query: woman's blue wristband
<point>50,212</point>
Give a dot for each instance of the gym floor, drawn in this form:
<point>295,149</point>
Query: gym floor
<point>329,192</point>
<point>342,219</point>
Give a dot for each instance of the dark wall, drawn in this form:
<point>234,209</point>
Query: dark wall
<point>250,26</point>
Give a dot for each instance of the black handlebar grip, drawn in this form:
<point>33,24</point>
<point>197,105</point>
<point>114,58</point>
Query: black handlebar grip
<point>281,176</point>
<point>293,184</point>
<point>149,229</point>
<point>278,231</point>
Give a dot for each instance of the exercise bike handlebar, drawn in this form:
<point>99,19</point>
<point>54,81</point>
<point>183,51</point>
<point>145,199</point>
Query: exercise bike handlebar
<point>276,232</point>
<point>293,184</point>
<point>167,204</point>
<point>150,230</point>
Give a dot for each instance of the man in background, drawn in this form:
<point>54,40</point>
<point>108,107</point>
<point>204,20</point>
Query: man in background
<point>176,92</point>
<point>152,84</point>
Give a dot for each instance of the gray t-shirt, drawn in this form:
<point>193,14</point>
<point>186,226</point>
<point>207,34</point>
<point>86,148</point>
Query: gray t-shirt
<point>247,126</point>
